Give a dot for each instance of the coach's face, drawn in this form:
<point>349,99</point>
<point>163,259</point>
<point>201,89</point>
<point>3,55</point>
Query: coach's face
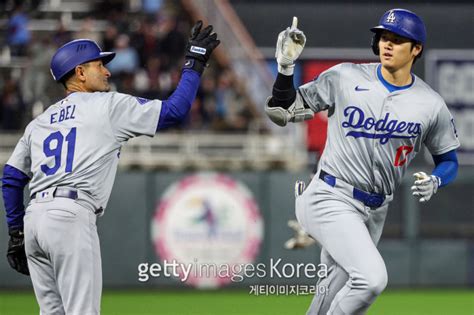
<point>397,52</point>
<point>95,77</point>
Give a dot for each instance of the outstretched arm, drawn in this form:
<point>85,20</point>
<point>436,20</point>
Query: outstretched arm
<point>285,105</point>
<point>198,51</point>
<point>177,106</point>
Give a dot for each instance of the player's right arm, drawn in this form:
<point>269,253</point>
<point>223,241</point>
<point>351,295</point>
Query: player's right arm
<point>16,175</point>
<point>288,104</point>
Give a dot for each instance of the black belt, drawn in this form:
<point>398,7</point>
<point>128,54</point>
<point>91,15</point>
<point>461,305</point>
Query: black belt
<point>62,192</point>
<point>372,200</point>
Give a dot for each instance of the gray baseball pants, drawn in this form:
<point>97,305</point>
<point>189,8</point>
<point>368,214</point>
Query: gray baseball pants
<point>62,247</point>
<point>348,233</point>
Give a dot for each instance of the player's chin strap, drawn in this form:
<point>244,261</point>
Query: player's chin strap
<point>297,112</point>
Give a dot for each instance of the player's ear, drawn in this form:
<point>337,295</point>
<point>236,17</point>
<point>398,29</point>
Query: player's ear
<point>80,73</point>
<point>416,49</point>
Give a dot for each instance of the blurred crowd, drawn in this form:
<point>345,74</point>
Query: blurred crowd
<point>149,46</point>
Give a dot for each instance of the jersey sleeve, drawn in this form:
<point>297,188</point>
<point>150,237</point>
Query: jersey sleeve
<point>21,156</point>
<point>442,136</point>
<point>319,94</point>
<point>132,116</point>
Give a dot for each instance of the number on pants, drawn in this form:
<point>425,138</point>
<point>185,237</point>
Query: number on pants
<point>50,149</point>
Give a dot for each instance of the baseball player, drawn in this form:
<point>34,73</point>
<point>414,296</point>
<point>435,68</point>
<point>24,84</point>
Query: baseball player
<point>69,156</point>
<point>380,115</point>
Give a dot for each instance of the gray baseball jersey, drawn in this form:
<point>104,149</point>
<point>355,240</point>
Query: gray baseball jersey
<point>76,142</point>
<point>374,134</point>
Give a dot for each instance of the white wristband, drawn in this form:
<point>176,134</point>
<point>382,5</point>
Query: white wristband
<point>286,70</point>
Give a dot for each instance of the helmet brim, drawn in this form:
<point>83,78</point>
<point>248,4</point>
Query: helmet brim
<point>106,57</point>
<point>379,28</point>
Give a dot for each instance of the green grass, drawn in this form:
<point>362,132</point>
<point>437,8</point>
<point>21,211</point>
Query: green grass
<point>391,302</point>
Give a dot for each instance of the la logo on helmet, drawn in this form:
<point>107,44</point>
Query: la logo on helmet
<point>391,17</point>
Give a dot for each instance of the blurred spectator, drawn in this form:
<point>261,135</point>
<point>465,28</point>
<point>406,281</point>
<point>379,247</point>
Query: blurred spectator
<point>34,4</point>
<point>203,111</point>
<point>141,81</point>
<point>11,106</point>
<point>234,111</point>
<point>154,91</point>
<point>209,101</point>
<point>145,40</point>
<point>126,83</point>
<point>37,82</point>
<point>61,36</point>
<point>88,30</point>
<point>18,35</point>
<point>149,60</point>
<point>153,68</point>
<point>110,35</point>
<point>126,58</point>
<point>172,41</point>
<point>115,12</point>
<point>151,6</point>
<point>153,73</point>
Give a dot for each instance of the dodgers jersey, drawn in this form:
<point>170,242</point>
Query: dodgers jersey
<point>76,142</point>
<point>373,134</point>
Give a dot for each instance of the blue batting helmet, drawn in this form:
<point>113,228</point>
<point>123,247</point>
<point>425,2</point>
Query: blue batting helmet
<point>401,22</point>
<point>74,53</point>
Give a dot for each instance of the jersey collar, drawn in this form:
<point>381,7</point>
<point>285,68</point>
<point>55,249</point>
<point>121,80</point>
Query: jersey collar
<point>390,87</point>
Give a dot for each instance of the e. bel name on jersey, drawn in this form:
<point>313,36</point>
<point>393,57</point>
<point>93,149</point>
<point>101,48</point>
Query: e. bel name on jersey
<point>65,113</point>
